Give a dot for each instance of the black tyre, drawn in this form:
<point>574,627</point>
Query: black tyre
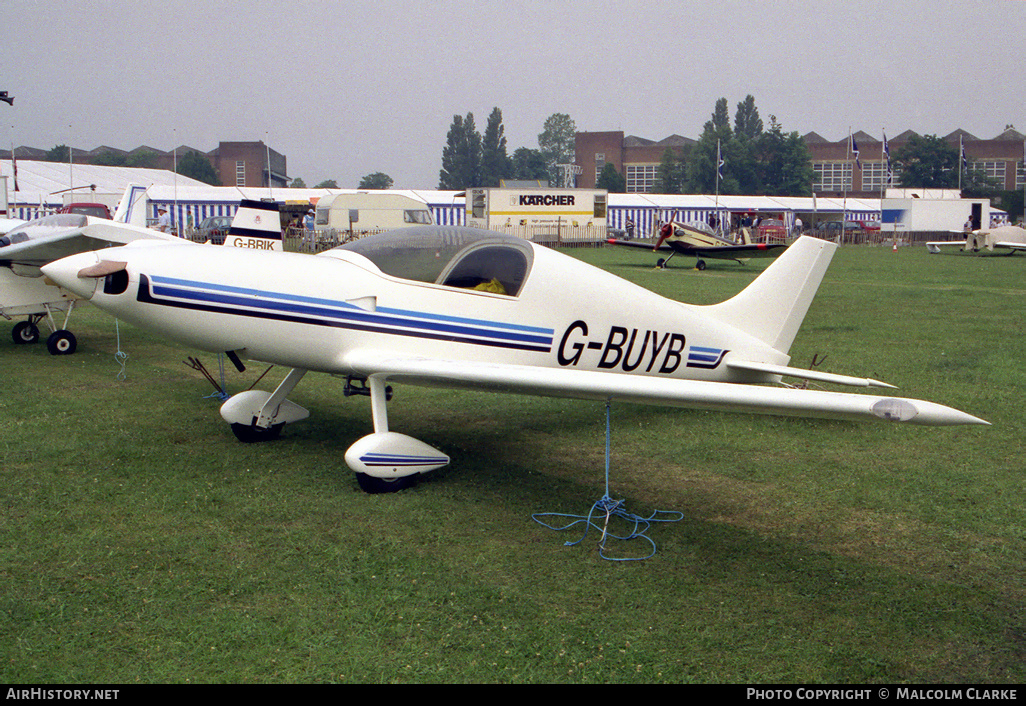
<point>61,343</point>
<point>25,332</point>
<point>375,485</point>
<point>250,434</point>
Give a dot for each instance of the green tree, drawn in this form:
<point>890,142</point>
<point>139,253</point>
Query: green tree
<point>719,123</point>
<point>327,184</point>
<point>784,163</point>
<point>747,123</point>
<point>671,176</point>
<point>110,158</point>
<point>146,159</point>
<point>495,162</point>
<point>927,162</point>
<point>297,183</point>
<point>59,153</point>
<point>611,180</point>
<point>529,165</point>
<point>556,143</point>
<point>461,157</point>
<point>376,181</point>
<point>196,166</point>
<point>702,165</point>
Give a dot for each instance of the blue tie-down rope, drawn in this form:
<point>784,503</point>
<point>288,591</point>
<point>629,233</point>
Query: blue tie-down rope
<point>610,508</point>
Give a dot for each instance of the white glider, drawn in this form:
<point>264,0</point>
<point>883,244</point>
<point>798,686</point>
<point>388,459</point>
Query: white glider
<point>467,308</point>
<point>1007,238</point>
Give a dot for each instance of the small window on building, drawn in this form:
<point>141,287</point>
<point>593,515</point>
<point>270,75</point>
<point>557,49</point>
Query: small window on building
<point>240,174</point>
<point>478,204</point>
<point>420,217</point>
<point>600,206</point>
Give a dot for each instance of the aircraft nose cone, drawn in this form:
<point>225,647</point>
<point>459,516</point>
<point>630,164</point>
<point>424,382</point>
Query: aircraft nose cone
<point>65,273</point>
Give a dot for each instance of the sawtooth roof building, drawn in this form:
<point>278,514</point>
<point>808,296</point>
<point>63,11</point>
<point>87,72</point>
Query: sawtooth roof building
<point>243,164</point>
<point>835,168</point>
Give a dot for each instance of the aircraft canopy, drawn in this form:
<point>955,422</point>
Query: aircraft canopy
<point>467,258</point>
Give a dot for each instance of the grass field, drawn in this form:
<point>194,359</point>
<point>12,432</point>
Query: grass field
<point>140,542</point>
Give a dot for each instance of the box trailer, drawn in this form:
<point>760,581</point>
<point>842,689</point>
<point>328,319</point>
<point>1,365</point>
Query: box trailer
<point>930,212</point>
<point>540,214</point>
<point>347,216</point>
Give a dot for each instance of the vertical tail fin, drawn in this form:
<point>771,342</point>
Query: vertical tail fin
<point>132,206</point>
<point>773,306</point>
<point>257,224</point>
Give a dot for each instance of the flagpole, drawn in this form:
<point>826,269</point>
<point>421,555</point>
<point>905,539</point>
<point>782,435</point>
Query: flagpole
<point>961,159</point>
<point>884,162</point>
<point>718,224</point>
<point>71,167</point>
<point>844,185</point>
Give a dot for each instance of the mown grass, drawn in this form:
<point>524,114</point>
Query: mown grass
<point>142,543</point>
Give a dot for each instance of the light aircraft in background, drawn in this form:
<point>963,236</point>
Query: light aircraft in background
<point>1009,239</point>
<point>700,242</point>
<point>26,248</point>
<point>8,224</point>
<point>468,308</point>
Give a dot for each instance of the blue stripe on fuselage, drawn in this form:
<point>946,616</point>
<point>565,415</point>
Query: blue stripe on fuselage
<point>336,311</point>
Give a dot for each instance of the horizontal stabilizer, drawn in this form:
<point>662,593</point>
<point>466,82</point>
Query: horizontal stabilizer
<point>806,374</point>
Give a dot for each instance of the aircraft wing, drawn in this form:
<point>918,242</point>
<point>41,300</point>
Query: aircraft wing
<point>639,244</point>
<point>1015,247</point>
<point>739,252</point>
<point>935,246</point>
<point>39,245</point>
<point>725,252</point>
<point>673,392</point>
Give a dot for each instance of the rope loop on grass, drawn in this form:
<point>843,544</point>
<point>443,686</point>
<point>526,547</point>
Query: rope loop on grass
<point>120,357</point>
<point>605,509</point>
<point>609,508</point>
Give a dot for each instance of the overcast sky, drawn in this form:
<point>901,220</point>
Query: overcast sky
<point>344,89</point>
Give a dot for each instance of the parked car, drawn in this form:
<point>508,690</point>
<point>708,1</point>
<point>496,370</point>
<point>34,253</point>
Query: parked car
<point>214,228</point>
<point>834,227</point>
<point>772,228</point>
<point>97,210</point>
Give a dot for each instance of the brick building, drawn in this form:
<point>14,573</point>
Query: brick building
<point>635,157</point>
<point>836,172</point>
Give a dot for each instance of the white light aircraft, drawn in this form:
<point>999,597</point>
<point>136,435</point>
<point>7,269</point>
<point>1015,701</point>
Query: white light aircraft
<point>467,308</point>
<point>26,248</point>
<point>32,244</point>
<point>1010,239</point>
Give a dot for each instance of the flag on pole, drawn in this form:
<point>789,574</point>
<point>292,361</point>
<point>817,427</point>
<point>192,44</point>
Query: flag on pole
<point>961,149</point>
<point>887,161</point>
<point>855,151</point>
<point>719,162</point>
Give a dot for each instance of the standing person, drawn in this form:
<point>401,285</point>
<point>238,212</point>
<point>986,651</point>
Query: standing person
<point>629,225</point>
<point>163,220</point>
<point>798,225</point>
<point>308,229</point>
